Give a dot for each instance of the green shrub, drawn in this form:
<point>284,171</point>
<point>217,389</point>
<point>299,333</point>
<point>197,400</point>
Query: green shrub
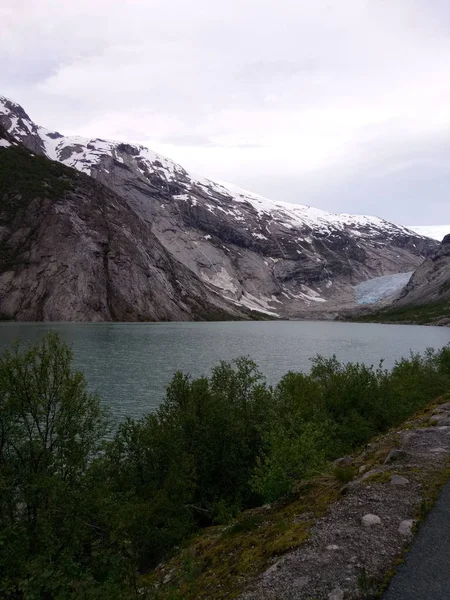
<point>79,516</point>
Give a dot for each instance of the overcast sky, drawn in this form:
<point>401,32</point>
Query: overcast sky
<point>344,105</point>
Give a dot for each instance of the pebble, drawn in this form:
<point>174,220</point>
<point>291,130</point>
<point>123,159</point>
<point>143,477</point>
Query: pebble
<point>394,454</point>
<point>405,527</point>
<point>332,547</point>
<point>399,480</point>
<point>369,520</point>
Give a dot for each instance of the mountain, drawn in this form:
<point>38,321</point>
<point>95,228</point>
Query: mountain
<point>430,282</point>
<point>233,249</point>
<point>71,249</point>
<point>435,232</point>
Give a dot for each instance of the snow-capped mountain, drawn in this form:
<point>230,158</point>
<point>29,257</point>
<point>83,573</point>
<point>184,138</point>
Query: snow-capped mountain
<point>274,257</point>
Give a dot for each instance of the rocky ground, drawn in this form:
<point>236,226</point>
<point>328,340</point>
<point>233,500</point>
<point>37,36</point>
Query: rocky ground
<point>352,550</point>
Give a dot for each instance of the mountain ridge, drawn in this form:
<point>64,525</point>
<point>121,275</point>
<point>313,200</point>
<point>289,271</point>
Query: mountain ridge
<point>272,257</point>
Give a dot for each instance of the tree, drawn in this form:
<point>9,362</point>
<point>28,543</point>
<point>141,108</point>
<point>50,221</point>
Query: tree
<point>51,528</point>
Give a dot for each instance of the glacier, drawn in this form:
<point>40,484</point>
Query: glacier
<point>379,288</point>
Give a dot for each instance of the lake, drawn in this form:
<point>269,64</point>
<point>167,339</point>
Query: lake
<point>130,364</point>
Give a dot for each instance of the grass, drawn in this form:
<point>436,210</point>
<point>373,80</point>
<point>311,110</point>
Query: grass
<point>423,314</point>
<point>222,558</point>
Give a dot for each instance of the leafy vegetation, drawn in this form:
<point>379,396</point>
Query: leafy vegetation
<point>26,178</point>
<point>421,314</point>
<point>82,518</point>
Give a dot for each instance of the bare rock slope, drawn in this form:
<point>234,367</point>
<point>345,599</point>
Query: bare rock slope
<point>71,249</point>
<point>242,250</point>
<point>431,280</point>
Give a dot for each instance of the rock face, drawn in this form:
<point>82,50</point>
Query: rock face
<point>240,251</point>
<point>431,280</point>
<point>71,249</point>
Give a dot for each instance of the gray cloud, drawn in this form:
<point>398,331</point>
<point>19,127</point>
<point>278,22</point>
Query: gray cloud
<point>342,105</point>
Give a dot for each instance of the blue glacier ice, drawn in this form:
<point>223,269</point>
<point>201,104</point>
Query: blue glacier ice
<point>374,290</point>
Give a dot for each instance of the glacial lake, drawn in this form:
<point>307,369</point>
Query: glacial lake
<point>130,364</point>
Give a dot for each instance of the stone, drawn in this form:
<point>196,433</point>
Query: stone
<point>438,450</point>
<point>442,408</point>
<point>370,473</point>
<point>394,455</point>
<point>362,469</point>
<point>399,480</point>
<point>369,520</point>
<point>332,547</point>
<point>436,418</point>
<point>344,461</point>
<point>405,528</point>
<point>336,594</point>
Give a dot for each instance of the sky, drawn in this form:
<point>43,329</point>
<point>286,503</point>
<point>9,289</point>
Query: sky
<point>343,105</point>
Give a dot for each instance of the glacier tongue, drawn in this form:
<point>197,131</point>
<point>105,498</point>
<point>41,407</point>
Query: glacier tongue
<point>379,288</point>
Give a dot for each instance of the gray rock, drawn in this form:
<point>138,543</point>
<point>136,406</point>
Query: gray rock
<point>399,480</point>
<point>436,418</point>
<point>333,547</point>
<point>439,450</point>
<point>344,461</point>
<point>430,280</point>
<point>370,520</point>
<point>394,455</point>
<point>336,594</point>
<point>370,473</point>
<point>405,527</point>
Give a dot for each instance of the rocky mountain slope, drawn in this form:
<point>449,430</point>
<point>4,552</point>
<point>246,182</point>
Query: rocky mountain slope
<point>430,282</point>
<point>247,251</point>
<point>71,249</point>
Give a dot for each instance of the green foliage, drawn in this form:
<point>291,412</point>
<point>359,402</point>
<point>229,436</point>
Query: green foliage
<point>191,462</point>
<point>421,314</point>
<point>24,179</point>
<point>53,541</point>
<point>79,516</point>
<point>30,176</point>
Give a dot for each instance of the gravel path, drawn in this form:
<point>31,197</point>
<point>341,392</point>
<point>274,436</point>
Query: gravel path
<point>426,573</point>
<point>352,548</point>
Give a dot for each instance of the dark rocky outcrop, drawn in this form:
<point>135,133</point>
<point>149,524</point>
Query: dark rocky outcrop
<point>71,249</point>
<point>431,280</point>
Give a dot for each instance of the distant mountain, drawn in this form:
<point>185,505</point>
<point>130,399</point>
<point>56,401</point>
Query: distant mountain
<point>435,232</point>
<point>232,250</point>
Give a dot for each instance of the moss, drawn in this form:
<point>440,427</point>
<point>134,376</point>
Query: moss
<point>222,559</point>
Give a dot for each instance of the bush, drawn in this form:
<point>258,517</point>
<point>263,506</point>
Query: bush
<point>53,543</point>
<point>79,516</point>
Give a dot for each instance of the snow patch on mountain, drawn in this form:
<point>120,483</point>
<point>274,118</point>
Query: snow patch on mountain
<point>84,154</point>
<point>435,232</point>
